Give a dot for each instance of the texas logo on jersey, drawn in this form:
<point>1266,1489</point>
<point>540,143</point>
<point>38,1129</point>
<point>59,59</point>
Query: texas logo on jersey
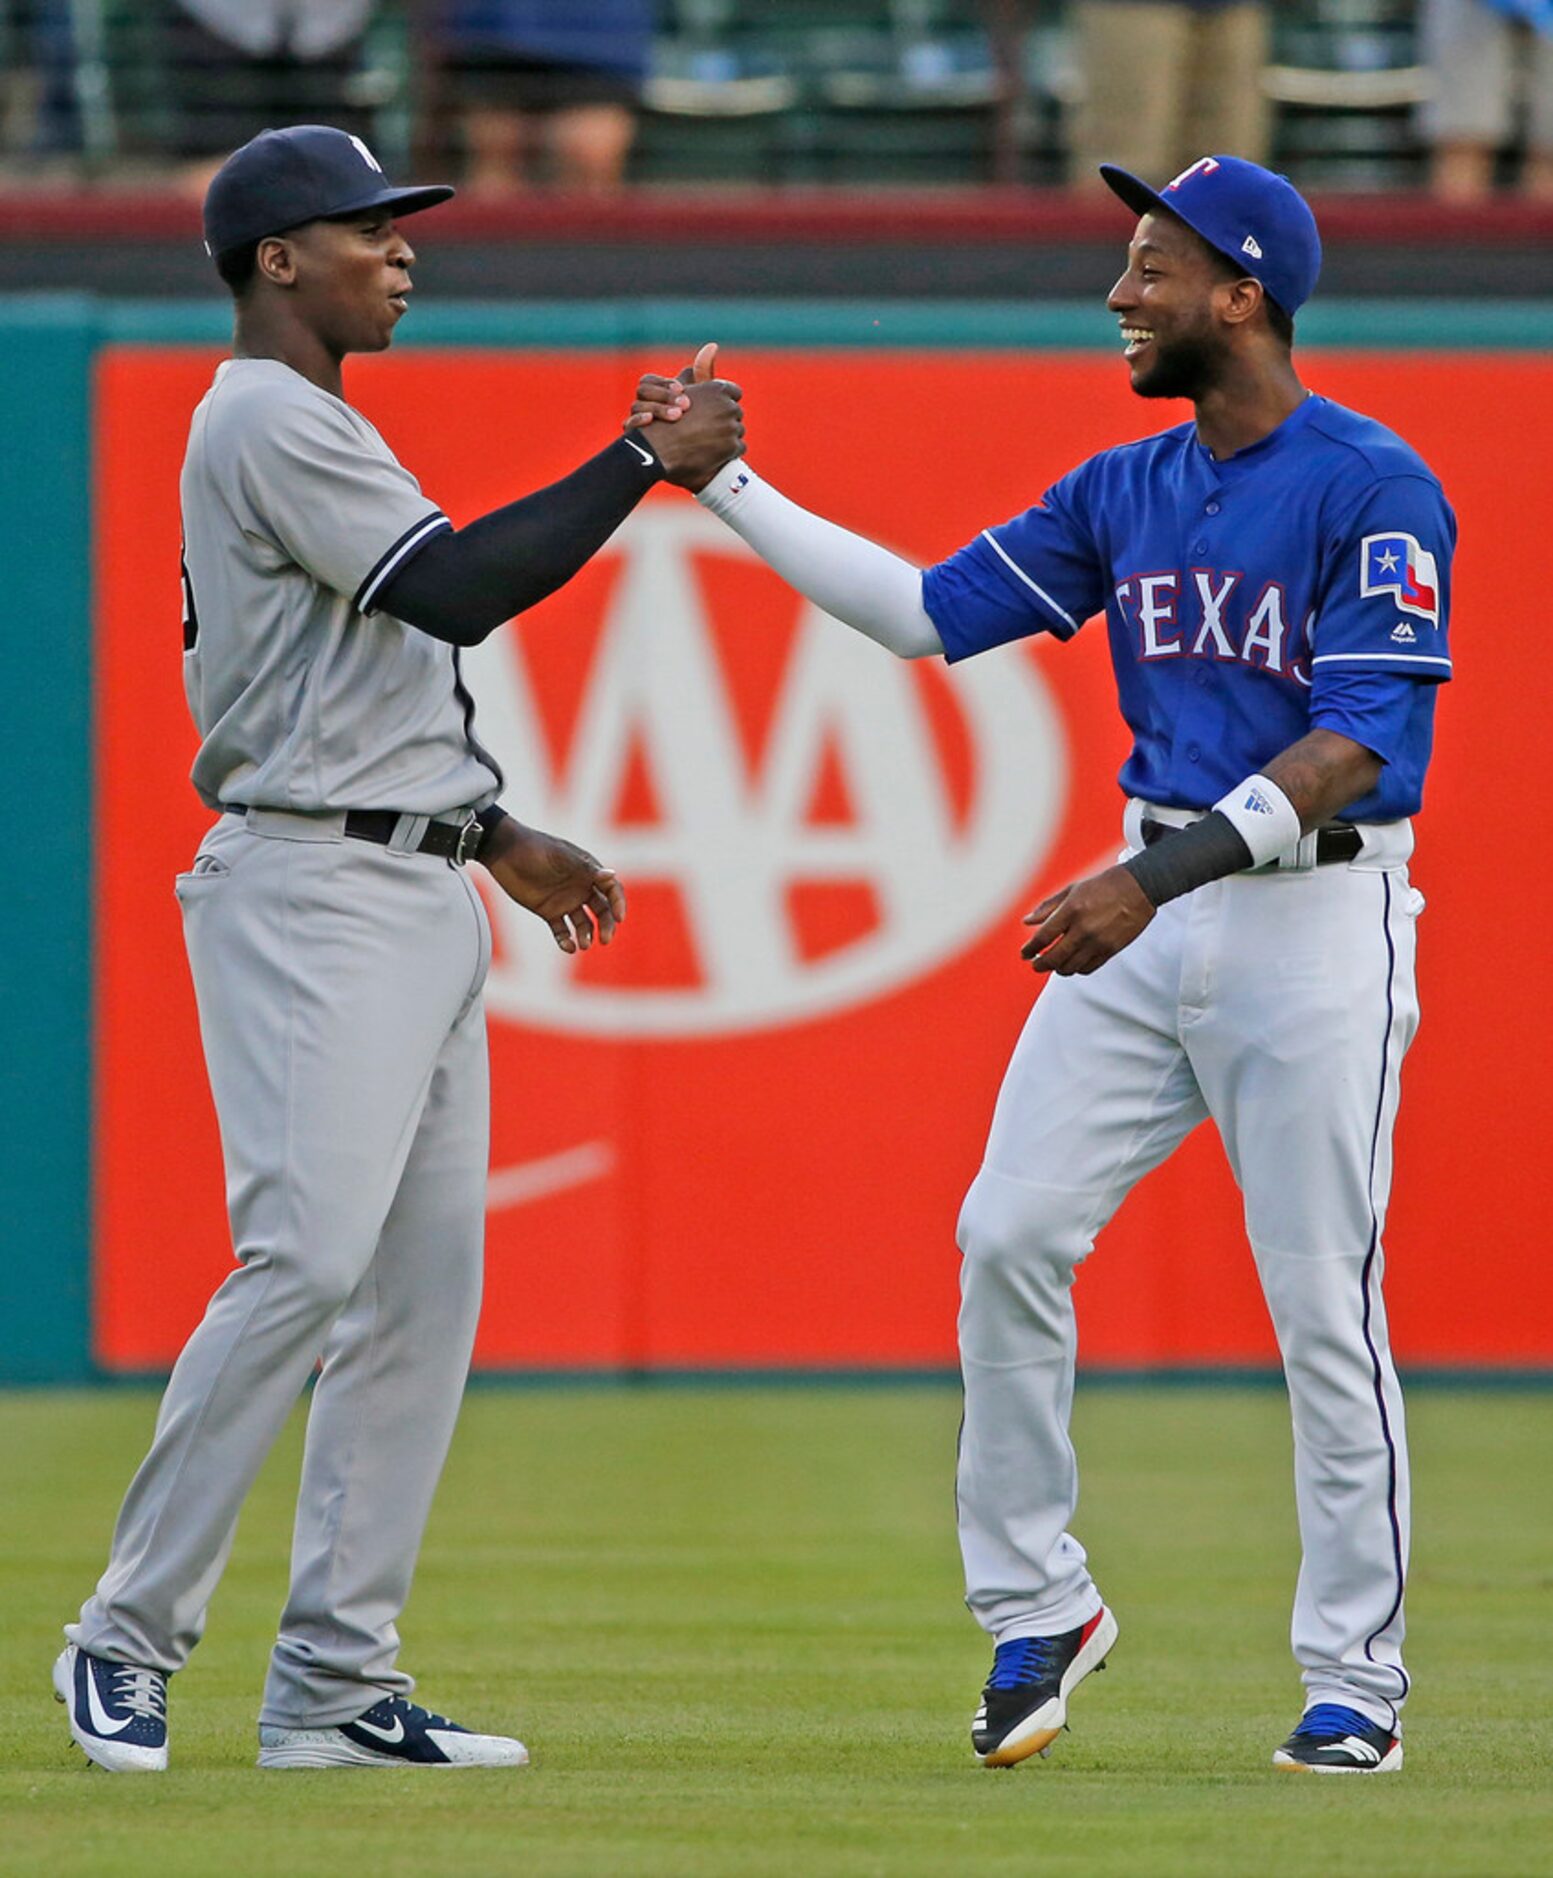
<point>1397,565</point>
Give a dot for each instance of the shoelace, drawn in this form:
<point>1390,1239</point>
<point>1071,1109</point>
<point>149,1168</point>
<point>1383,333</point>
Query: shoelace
<point>1330,1721</point>
<point>139,1691</point>
<point>1026,1659</point>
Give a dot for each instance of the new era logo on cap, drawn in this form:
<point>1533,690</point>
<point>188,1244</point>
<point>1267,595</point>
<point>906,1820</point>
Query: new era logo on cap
<point>1249,246</point>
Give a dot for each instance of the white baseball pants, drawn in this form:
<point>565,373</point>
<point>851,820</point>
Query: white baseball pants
<point>1279,1004</point>
<point>339,997</point>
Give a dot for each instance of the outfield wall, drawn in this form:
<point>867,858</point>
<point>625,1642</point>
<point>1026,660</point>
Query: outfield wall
<point>739,1138</point>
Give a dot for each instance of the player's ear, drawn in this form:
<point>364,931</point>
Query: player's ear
<point>1241,300</point>
<point>275,261</point>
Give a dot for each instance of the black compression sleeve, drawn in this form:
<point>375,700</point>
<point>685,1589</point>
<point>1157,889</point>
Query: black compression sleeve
<point>461,587</point>
<point>1190,857</point>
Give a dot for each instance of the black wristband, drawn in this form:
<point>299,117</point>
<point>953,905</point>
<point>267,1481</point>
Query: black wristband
<point>490,819</point>
<point>1190,857</point>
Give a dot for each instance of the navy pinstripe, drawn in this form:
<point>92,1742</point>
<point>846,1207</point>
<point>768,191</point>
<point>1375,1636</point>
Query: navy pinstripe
<point>1369,1266</point>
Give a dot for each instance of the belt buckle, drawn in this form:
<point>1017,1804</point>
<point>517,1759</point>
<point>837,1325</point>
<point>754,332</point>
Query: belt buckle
<point>469,838</point>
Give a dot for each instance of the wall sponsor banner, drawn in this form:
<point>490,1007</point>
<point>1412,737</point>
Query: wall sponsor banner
<point>740,1136</point>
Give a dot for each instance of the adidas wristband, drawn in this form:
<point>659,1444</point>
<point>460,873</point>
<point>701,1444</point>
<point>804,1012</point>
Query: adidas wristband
<point>1264,817</point>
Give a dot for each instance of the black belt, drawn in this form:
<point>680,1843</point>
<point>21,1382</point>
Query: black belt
<point>457,842</point>
<point>1332,844</point>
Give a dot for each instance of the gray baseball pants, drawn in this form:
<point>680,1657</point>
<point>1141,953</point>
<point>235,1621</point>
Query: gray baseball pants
<point>339,986</point>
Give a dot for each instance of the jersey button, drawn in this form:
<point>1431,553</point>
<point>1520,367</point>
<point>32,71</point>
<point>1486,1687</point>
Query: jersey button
<point>1199,677</point>
<point>1199,547</point>
<point>1192,753</point>
<point>1213,508</point>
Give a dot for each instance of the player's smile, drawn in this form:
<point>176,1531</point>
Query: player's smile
<point>1162,302</point>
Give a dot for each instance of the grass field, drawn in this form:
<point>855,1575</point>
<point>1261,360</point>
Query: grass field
<point>726,1621</point>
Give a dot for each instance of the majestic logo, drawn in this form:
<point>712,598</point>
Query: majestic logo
<point>1397,565</point>
<point>807,823</point>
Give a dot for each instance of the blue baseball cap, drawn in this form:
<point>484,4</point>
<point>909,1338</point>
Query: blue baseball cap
<point>283,178</point>
<point>1255,218</point>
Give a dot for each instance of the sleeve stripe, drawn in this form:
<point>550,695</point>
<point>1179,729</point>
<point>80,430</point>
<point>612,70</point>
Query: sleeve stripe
<point>408,542</point>
<point>1040,592</point>
<point>1374,658</point>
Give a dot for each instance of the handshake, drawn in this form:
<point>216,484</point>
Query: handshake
<point>696,421</point>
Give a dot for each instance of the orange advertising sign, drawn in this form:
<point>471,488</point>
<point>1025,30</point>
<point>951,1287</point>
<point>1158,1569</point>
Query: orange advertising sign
<point>740,1136</point>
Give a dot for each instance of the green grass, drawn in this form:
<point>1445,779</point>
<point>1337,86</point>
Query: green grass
<point>727,1623</point>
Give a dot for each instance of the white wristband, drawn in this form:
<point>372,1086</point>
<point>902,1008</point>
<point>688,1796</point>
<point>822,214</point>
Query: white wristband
<point>1264,817</point>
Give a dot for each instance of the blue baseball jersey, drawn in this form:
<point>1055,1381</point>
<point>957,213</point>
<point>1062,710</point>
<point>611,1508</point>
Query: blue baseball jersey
<point>1303,582</point>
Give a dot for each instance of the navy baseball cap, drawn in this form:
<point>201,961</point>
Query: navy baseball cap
<point>1256,218</point>
<point>282,178</point>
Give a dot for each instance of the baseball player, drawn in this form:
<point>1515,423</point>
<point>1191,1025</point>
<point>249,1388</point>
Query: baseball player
<point>338,951</point>
<point>1274,577</point>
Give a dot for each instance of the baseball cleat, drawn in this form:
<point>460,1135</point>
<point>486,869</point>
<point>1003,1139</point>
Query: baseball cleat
<point>118,1711</point>
<point>1024,1706</point>
<point>1332,1739</point>
<point>392,1733</point>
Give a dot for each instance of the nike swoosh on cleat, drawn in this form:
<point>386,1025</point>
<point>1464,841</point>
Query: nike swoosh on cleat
<point>393,1736</point>
<point>102,1722</point>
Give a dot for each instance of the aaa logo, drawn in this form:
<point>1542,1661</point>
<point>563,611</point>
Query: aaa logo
<point>803,822</point>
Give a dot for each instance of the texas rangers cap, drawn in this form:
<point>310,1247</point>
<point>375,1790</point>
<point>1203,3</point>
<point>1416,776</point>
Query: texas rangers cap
<point>282,178</point>
<point>1256,218</point>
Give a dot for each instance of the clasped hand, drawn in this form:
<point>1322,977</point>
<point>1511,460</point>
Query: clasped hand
<point>700,421</point>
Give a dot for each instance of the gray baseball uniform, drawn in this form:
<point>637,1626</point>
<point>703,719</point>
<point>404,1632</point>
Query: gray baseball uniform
<point>339,986</point>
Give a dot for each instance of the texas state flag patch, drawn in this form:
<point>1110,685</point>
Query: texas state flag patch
<point>1397,565</point>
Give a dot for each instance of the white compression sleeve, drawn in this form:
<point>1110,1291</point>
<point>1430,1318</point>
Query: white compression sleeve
<point>853,579</point>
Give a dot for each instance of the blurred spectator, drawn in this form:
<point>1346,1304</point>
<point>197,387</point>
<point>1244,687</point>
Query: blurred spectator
<point>236,67</point>
<point>39,114</point>
<point>1167,81</point>
<point>546,80</point>
<point>1493,65</point>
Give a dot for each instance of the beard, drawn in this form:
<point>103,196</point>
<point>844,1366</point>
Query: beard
<point>1188,367</point>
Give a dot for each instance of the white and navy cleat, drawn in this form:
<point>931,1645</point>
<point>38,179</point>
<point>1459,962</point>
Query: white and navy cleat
<point>1332,1739</point>
<point>1024,1706</point>
<point>118,1711</point>
<point>392,1733</point>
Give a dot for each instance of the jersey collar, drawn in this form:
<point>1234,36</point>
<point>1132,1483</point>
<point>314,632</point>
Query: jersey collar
<point>1266,446</point>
